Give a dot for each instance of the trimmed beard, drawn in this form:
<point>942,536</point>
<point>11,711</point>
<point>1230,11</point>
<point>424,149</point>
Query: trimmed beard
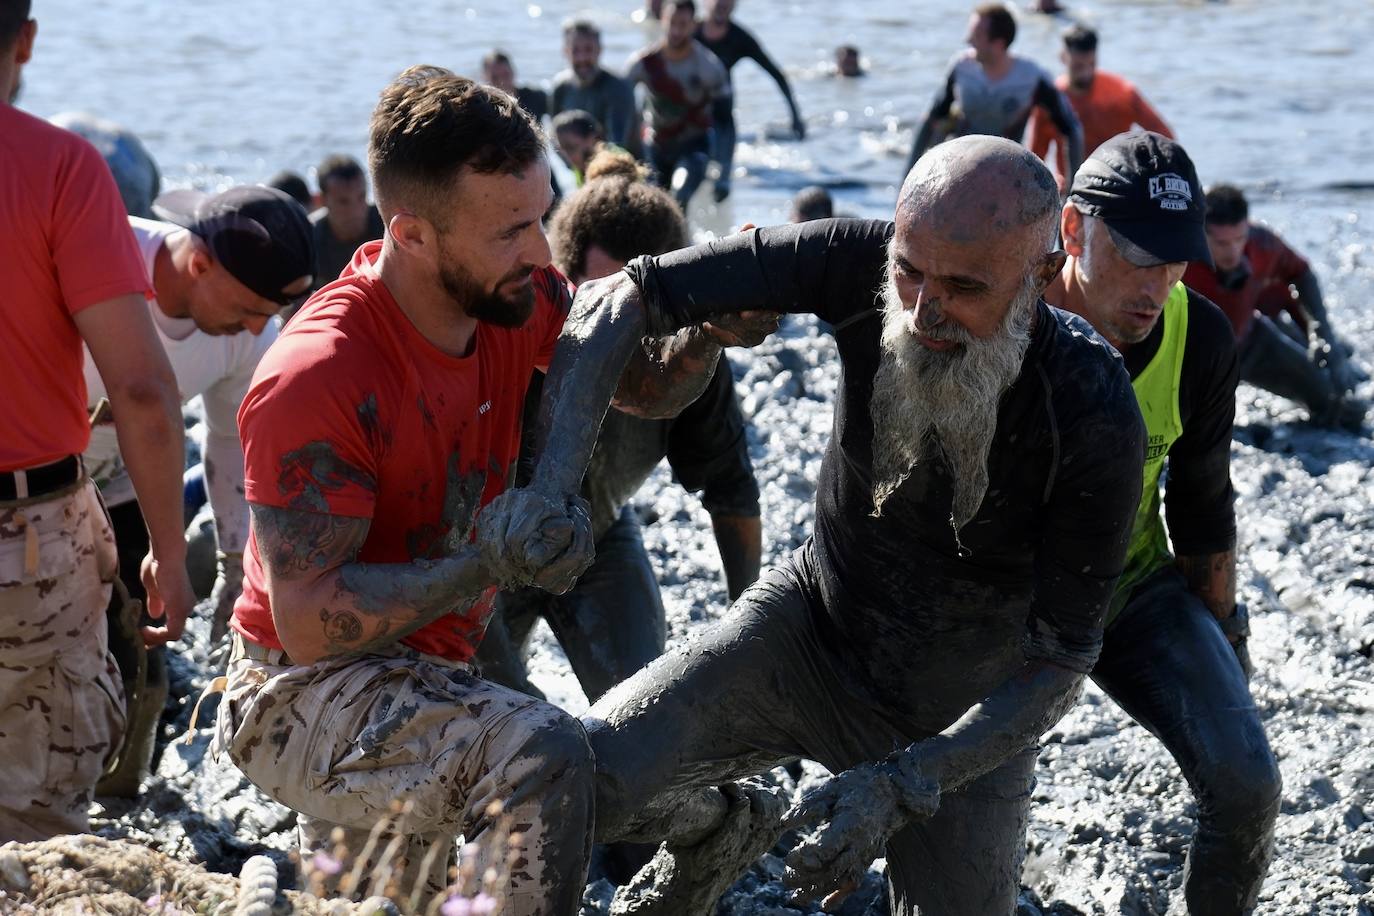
<point>924,399</point>
<point>489,306</point>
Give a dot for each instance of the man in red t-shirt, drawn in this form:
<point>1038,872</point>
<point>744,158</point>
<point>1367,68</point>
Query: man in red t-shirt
<point>1286,342</point>
<point>72,273</point>
<point>1106,105</point>
<point>377,428</point>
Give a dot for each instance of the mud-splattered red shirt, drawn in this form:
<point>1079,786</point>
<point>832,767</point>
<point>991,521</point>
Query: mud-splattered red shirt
<point>353,412</point>
<point>1260,284</point>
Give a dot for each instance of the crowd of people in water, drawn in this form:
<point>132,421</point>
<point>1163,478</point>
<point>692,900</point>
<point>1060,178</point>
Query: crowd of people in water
<point>426,417</point>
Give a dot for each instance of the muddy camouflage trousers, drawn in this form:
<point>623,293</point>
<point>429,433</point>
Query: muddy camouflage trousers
<point>61,700</point>
<point>342,740</point>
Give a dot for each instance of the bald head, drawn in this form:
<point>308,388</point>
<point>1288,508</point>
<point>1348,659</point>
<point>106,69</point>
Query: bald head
<point>978,188</point>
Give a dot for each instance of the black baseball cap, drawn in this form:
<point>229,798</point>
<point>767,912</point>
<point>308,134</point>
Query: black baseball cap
<point>261,235</point>
<point>1144,187</point>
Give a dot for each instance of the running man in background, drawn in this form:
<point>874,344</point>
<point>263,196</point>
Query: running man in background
<point>218,275</point>
<point>345,220</point>
<point>732,43</point>
<point>683,81</point>
<point>73,273</point>
<point>588,86</point>
<point>612,622</point>
<point>989,90</point>
<point>1106,105</point>
<point>1174,656</point>
<point>1266,288</point>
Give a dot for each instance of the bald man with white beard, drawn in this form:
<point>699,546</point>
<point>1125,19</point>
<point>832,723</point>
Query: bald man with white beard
<point>972,515</point>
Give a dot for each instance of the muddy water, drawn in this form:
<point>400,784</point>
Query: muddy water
<point>1272,95</point>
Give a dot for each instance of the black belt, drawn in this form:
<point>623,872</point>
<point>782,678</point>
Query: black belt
<point>39,481</point>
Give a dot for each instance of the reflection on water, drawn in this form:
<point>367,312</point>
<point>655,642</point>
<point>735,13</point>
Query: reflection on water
<point>1271,95</point>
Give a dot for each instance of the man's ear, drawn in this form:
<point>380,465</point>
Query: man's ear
<point>1072,230</point>
<point>1048,268</point>
<point>23,48</point>
<point>201,261</point>
<point>412,234</point>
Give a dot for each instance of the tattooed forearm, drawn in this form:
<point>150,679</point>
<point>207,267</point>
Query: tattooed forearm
<point>325,603</point>
<point>1212,577</point>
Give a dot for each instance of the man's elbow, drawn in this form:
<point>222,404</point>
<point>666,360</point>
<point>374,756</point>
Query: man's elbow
<point>151,388</point>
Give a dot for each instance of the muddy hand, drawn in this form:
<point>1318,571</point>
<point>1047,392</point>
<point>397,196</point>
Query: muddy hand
<point>856,812</point>
<point>746,329</point>
<point>527,538</point>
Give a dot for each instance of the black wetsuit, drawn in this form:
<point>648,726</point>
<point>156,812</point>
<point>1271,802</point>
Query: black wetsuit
<point>735,45</point>
<point>612,622</point>
<point>876,633</point>
<point>1165,659</point>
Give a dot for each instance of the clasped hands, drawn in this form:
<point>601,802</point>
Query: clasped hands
<point>529,538</point>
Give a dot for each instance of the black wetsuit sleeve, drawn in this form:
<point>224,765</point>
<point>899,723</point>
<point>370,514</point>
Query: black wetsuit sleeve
<point>708,449</point>
<point>754,51</point>
<point>830,268</point>
<point>1091,508</point>
<point>1199,502</point>
<point>1057,106</point>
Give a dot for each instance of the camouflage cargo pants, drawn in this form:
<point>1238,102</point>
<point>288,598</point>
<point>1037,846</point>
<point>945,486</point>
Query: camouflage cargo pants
<point>61,700</point>
<point>342,741</point>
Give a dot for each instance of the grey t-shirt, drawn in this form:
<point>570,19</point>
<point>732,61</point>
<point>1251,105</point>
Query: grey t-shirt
<point>332,254</point>
<point>608,98</point>
<point>677,106</point>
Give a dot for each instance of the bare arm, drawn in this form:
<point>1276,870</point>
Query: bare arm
<point>1212,577</point>
<point>147,412</point>
<point>326,603</point>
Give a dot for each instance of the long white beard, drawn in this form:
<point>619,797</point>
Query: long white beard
<point>924,398</point>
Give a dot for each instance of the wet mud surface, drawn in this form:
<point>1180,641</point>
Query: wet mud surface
<point>1112,817</point>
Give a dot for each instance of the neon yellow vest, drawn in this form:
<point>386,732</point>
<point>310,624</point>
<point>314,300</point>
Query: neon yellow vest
<point>1156,392</point>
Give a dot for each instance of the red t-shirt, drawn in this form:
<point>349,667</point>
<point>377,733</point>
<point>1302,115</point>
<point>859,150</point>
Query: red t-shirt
<point>67,246</point>
<point>353,412</point>
<point>1111,106</point>
<point>1273,267</point>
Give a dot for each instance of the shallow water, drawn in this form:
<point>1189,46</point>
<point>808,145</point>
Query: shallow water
<point>1274,96</point>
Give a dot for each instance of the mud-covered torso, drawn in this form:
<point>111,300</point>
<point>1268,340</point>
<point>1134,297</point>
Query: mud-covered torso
<point>934,623</point>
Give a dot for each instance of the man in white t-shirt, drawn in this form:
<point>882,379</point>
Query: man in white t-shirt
<point>221,272</point>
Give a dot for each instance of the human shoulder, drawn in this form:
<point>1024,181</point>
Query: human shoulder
<point>1209,330</point>
<point>1084,370</point>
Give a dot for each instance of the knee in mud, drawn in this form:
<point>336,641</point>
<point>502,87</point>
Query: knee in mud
<point>560,747</point>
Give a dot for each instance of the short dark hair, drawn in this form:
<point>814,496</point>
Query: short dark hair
<point>618,212</point>
<point>430,125</point>
<point>672,6</point>
<point>492,58</point>
<point>337,167</point>
<point>1001,23</point>
<point>581,27</point>
<point>294,186</point>
<point>1080,39</point>
<point>813,203</point>
<point>579,122</point>
<point>13,15</point>
<point>1226,205</point>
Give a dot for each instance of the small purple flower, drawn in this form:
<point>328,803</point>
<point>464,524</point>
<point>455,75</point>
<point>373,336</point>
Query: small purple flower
<point>457,905</point>
<point>154,902</point>
<point>483,905</point>
<point>326,864</point>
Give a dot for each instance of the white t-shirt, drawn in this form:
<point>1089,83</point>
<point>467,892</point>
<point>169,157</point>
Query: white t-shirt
<point>218,369</point>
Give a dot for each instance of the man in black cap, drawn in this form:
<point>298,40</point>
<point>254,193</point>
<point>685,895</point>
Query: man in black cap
<point>219,278</point>
<point>1174,655</point>
<point>972,516</point>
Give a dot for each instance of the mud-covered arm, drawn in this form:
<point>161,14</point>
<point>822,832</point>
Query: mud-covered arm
<point>1092,503</point>
<point>326,603</point>
<point>829,267</point>
<point>1057,106</point>
<point>940,110</point>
